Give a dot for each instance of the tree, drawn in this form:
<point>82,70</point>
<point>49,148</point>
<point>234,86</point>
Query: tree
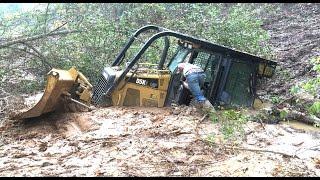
<point>89,36</point>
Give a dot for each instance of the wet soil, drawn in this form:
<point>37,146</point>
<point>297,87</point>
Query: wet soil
<point>133,141</point>
<point>295,40</point>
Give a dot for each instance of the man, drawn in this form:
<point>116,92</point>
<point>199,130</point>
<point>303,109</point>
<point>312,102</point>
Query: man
<point>195,78</point>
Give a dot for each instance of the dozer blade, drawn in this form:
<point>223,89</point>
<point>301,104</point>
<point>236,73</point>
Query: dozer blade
<point>60,84</point>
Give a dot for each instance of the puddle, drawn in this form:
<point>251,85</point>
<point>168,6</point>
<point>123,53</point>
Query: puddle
<point>301,126</point>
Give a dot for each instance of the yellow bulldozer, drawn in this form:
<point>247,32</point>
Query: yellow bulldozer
<point>231,77</point>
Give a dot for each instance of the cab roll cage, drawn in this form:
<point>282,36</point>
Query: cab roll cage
<point>163,32</point>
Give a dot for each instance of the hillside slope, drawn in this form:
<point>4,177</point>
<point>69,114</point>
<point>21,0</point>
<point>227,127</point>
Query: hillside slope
<point>295,39</point>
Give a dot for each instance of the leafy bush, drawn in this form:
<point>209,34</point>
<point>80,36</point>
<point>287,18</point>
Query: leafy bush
<point>295,89</point>
<point>241,30</point>
<point>29,86</point>
<point>312,86</point>
<point>275,99</point>
<point>231,122</point>
<point>315,108</point>
<point>105,28</point>
<point>213,116</point>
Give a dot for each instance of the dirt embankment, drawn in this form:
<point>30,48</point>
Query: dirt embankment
<point>295,38</point>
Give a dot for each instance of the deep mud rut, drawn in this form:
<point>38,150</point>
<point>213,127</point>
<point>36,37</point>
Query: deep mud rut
<point>124,141</point>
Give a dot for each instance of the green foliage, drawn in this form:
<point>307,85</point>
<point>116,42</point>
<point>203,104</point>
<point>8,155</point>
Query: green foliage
<point>29,86</point>
<point>213,117</point>
<point>210,139</point>
<point>283,114</point>
<point>285,74</point>
<point>312,86</point>
<point>231,122</point>
<point>275,99</point>
<point>314,109</point>
<point>241,30</point>
<point>105,28</point>
<point>295,89</point>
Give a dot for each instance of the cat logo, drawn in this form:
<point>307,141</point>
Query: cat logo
<point>141,81</point>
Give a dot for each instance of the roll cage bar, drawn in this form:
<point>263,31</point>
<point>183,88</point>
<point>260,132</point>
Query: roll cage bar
<point>163,32</point>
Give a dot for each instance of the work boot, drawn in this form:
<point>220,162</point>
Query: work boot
<point>207,104</point>
<point>199,104</point>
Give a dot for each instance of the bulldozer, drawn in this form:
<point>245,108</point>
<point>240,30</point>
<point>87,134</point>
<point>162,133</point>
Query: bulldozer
<point>231,77</point>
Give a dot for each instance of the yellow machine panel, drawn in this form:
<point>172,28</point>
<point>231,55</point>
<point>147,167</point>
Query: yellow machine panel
<point>142,89</point>
<point>266,70</point>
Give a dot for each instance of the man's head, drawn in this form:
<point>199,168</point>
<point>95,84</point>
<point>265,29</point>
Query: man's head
<point>181,66</point>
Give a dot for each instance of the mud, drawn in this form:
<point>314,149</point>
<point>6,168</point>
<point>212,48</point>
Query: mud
<point>124,141</point>
<point>294,39</point>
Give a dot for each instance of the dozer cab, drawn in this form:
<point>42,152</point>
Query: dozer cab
<point>231,77</point>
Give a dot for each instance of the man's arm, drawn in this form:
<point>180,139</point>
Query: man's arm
<point>178,70</point>
<point>185,84</point>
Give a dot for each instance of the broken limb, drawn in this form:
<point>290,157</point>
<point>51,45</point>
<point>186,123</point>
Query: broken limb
<point>196,129</point>
<point>261,150</point>
<point>302,117</point>
<point>40,55</point>
<point>32,38</point>
<point>254,150</point>
<point>310,148</point>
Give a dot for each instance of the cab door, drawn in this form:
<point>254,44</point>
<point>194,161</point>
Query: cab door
<point>210,63</point>
<point>175,93</point>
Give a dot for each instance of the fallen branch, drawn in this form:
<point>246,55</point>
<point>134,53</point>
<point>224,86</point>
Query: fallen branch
<point>171,161</point>
<point>59,27</point>
<point>40,55</point>
<point>46,18</point>
<point>106,139</point>
<point>205,116</point>
<point>24,50</point>
<point>260,150</point>
<point>302,117</point>
<point>32,38</point>
<point>310,148</point>
<point>261,123</point>
<point>253,150</point>
<point>287,100</point>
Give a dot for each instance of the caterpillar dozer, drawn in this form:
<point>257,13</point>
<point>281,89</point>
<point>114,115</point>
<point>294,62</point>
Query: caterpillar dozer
<point>231,77</point>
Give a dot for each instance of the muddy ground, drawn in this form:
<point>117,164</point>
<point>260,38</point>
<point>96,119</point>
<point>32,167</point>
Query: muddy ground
<point>127,141</point>
<point>294,39</point>
<point>175,141</point>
